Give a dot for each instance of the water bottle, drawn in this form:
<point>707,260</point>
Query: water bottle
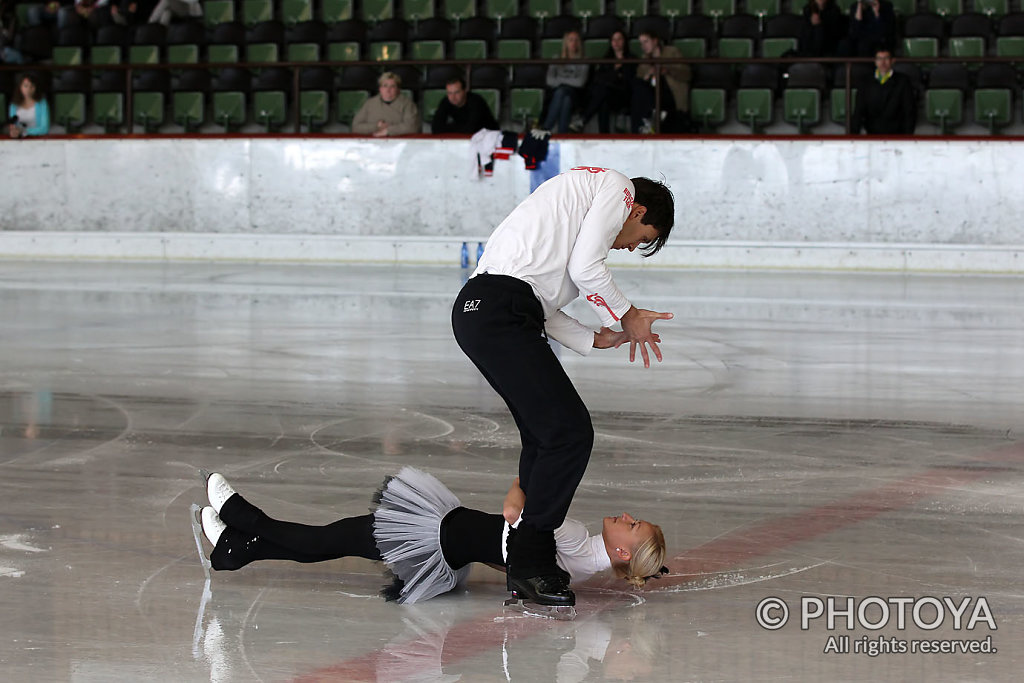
<point>479,251</point>
<point>465,255</point>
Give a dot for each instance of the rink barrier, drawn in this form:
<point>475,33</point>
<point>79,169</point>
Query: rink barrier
<point>891,205</point>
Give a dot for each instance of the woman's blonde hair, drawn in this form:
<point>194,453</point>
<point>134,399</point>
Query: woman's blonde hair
<point>647,560</point>
<point>565,45</point>
<point>390,76</point>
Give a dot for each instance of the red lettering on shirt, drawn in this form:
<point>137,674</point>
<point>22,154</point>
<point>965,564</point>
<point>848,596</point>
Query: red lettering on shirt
<point>598,300</point>
<point>628,198</point>
<point>590,169</point>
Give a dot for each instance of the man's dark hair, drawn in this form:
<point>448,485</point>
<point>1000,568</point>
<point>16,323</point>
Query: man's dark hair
<point>661,210</point>
<point>652,33</point>
<point>456,79</point>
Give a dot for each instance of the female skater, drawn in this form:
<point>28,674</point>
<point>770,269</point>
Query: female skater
<point>426,539</point>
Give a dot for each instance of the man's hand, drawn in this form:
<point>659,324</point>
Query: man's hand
<point>382,129</point>
<point>515,501</point>
<point>607,338</point>
<point>636,323</point>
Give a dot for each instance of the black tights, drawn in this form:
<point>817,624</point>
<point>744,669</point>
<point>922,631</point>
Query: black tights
<point>466,536</point>
<point>252,535</point>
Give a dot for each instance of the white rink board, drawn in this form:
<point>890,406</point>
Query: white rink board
<point>837,204</point>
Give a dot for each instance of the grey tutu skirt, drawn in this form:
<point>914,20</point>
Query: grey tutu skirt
<point>407,529</point>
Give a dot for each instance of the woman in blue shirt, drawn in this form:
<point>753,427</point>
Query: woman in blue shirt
<point>28,113</point>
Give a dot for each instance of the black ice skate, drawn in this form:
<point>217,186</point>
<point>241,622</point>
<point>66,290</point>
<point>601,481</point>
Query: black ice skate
<point>542,596</point>
<point>539,586</point>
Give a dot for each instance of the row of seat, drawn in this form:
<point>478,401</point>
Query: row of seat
<point>233,97</point>
<point>944,90</point>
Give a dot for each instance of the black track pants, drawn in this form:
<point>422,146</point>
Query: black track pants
<point>499,324</point>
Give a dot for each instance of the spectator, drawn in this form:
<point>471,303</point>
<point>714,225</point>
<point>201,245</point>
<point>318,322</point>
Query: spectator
<point>49,13</point>
<point>28,114</point>
<point>610,88</point>
<point>462,111</point>
<point>132,12</point>
<point>566,82</point>
<point>168,10</point>
<point>8,29</point>
<point>872,22</point>
<point>389,113</point>
<point>885,104</point>
<point>675,98</point>
<point>824,28</point>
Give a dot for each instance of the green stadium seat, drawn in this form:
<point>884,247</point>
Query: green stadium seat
<point>417,10</point>
<point>776,47</point>
<point>385,51</point>
<point>946,8</point>
<point>525,104</point>
<point>257,11</point>
<point>992,8</point>
<point>902,8</point>
<point>218,12</point>
<point>916,48</point>
<point>108,110</point>
<point>764,8</point>
<point>314,108</point>
<point>68,55</point>
<point>676,8</point>
<point>68,110</point>
<point>543,9</point>
<point>262,52</point>
<point>551,48</point>
<point>144,54</point>
<point>333,11</point>
<point>708,106</point>
<point>718,8</point>
<point>269,108</point>
<point>148,110</point>
<point>222,54</point>
<point>188,109</point>
<point>183,54</point>
<point>801,107</point>
<point>469,49</point>
<point>492,96</point>
<point>303,52</point>
<point>755,107</point>
<point>377,10</point>
<point>229,109</point>
<point>838,104</point>
<point>943,107</point>
<point>343,52</point>
<point>735,48</point>
<point>967,46</point>
<point>431,101</point>
<point>1011,46</point>
<point>630,10</point>
<point>427,49</point>
<point>694,48</point>
<point>296,11</point>
<point>105,54</point>
<point>348,103</point>
<point>457,10</point>
<point>993,107</point>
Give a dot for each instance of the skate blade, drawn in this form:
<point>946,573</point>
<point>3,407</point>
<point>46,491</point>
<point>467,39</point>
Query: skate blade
<point>204,474</point>
<point>197,533</point>
<point>532,609</point>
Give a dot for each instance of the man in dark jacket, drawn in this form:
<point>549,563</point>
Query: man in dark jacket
<point>886,103</point>
<point>462,111</point>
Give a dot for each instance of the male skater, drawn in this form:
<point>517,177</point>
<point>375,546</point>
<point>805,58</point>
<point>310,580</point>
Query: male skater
<point>552,247</point>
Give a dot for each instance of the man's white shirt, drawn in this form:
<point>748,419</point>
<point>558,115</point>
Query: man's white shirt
<point>557,241</point>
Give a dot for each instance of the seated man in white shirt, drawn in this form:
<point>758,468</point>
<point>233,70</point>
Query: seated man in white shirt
<point>552,247</point>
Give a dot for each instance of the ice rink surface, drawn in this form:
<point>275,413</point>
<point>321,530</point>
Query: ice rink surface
<point>849,443</point>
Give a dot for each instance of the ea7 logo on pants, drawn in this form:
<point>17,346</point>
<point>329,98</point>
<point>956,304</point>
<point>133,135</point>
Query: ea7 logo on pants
<point>471,305</point>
